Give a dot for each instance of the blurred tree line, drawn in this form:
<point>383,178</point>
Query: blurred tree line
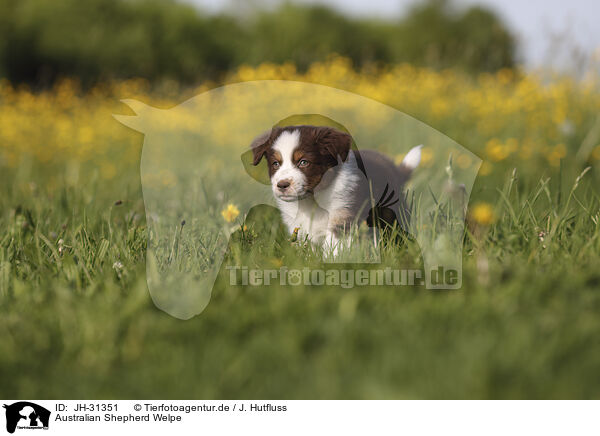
<point>41,40</point>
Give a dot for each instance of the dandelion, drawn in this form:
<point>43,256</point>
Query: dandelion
<point>556,154</point>
<point>276,262</point>
<point>483,214</point>
<point>167,178</point>
<point>496,150</point>
<point>426,156</point>
<point>398,158</point>
<point>464,161</point>
<point>485,169</point>
<point>294,237</point>
<point>230,213</point>
<point>108,170</point>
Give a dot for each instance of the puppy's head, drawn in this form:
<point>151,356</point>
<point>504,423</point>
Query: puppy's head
<point>299,156</point>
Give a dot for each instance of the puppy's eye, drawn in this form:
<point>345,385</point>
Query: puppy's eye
<point>275,164</point>
<point>303,163</point>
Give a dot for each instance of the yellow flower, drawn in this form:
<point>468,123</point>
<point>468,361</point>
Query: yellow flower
<point>496,150</point>
<point>276,262</point>
<point>426,156</point>
<point>486,168</point>
<point>440,107</point>
<point>483,213</point>
<point>558,152</point>
<point>398,158</point>
<point>230,213</point>
<point>464,161</point>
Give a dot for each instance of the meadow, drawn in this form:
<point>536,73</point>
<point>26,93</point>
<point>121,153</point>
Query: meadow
<point>77,320</point>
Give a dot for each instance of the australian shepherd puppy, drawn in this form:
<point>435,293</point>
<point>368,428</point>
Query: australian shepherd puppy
<point>322,185</point>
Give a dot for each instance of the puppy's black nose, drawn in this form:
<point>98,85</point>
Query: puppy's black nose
<point>282,184</point>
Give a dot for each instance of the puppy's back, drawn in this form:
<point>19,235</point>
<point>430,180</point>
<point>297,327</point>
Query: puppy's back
<point>383,185</point>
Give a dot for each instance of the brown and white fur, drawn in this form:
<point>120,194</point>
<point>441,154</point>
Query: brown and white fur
<point>322,186</point>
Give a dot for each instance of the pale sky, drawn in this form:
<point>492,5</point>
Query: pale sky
<point>562,33</point>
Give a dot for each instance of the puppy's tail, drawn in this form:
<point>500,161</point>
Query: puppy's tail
<point>410,162</point>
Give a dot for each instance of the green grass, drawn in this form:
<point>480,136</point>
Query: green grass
<point>77,320</point>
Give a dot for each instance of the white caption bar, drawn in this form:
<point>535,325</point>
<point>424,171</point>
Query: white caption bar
<point>300,417</point>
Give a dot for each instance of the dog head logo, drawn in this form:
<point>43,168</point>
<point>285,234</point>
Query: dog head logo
<point>191,172</point>
<point>26,415</point>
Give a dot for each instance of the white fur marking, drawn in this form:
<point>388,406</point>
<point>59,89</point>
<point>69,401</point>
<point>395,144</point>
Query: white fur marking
<point>285,144</point>
<point>313,215</point>
<point>412,158</point>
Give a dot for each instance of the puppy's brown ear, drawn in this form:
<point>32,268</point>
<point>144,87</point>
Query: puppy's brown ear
<point>259,146</point>
<point>252,157</point>
<point>334,142</point>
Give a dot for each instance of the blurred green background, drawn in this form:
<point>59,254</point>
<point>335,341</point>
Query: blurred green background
<point>94,40</point>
